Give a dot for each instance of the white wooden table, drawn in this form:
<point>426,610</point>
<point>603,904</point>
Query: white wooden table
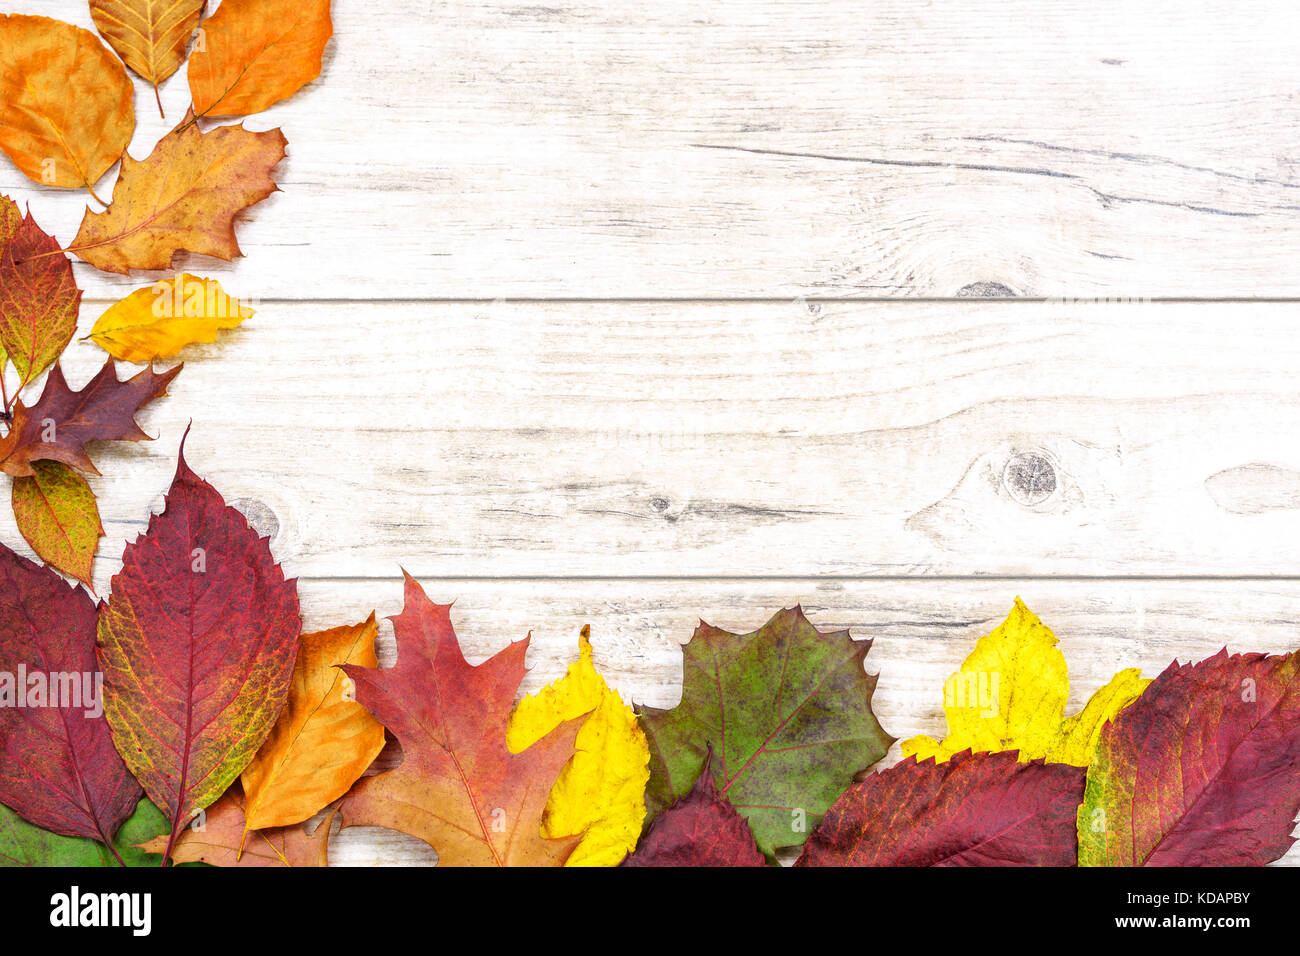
<point>633,314</point>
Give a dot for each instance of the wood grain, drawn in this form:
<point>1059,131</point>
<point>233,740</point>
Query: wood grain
<point>482,148</point>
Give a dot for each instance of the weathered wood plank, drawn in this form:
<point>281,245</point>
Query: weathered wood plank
<point>739,439</point>
<point>478,148</point>
<point>921,632</point>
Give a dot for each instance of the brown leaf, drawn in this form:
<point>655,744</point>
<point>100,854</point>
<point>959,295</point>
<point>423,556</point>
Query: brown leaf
<point>183,198</point>
<point>257,52</point>
<point>58,426</point>
<point>65,102</point>
<point>218,842</point>
<point>149,35</point>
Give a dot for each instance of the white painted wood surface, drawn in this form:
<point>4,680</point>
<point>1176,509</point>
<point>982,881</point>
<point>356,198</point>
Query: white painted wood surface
<point>680,419</point>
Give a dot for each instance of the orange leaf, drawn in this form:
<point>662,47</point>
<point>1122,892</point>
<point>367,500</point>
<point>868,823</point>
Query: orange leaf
<point>324,740</point>
<point>257,52</point>
<point>150,35</point>
<point>65,102</point>
<point>184,197</point>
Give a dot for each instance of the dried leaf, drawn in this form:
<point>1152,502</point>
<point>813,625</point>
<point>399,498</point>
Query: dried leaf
<point>700,829</point>
<point>197,646</point>
<point>39,298</point>
<point>324,740</point>
<point>971,810</point>
<point>183,198</point>
<point>217,841</point>
<point>602,790</point>
<point>159,320</point>
<point>57,515</point>
<point>1011,692</point>
<point>787,710</point>
<point>257,52</point>
<point>62,421</point>
<point>150,36</point>
<point>1203,770</point>
<point>58,768</point>
<point>458,787</point>
<point>65,102</point>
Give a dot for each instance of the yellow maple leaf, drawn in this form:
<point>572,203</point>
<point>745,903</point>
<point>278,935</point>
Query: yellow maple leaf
<point>602,789</point>
<point>1011,692</point>
<point>160,320</point>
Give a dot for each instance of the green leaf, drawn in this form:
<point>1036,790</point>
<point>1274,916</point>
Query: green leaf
<point>787,711</point>
<point>22,844</point>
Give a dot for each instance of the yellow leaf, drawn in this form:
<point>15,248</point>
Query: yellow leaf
<point>602,789</point>
<point>323,741</point>
<point>159,320</point>
<point>1011,692</point>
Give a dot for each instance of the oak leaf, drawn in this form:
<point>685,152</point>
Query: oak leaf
<point>39,298</point>
<point>183,198</point>
<point>62,421</point>
<point>324,740</point>
<point>257,52</point>
<point>150,36</point>
<point>971,810</point>
<point>58,768</point>
<point>66,114</point>
<point>700,829</point>
<point>57,515</point>
<point>197,645</point>
<point>458,787</point>
<point>159,320</point>
<point>1203,770</point>
<point>602,790</point>
<point>218,841</point>
<point>787,711</point>
<point>1011,693</point>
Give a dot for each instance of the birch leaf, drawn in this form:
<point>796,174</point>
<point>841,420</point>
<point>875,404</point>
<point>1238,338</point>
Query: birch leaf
<point>602,790</point>
<point>150,36</point>
<point>159,320</point>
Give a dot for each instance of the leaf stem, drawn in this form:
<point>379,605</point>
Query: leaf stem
<point>158,99</point>
<point>95,196</point>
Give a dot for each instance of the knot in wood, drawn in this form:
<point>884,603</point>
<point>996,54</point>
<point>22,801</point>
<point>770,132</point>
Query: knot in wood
<point>1029,478</point>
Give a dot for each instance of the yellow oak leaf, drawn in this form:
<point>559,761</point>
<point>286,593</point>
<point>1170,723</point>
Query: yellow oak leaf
<point>602,789</point>
<point>1011,692</point>
<point>159,320</point>
<point>323,741</point>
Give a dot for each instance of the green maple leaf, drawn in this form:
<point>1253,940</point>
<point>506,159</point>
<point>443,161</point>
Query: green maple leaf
<point>787,711</point>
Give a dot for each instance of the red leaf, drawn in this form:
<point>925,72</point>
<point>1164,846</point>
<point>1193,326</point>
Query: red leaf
<point>39,299</point>
<point>197,644</point>
<point>458,788</point>
<point>1202,770</point>
<point>972,810</point>
<point>58,768</point>
<point>700,829</point>
<point>58,426</point>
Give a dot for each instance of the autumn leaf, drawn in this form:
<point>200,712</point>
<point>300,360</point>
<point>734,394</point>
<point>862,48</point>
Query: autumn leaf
<point>39,298</point>
<point>66,114</point>
<point>257,52</point>
<point>22,844</point>
<point>149,35</point>
<point>62,421</point>
<point>58,768</point>
<point>787,710</point>
<point>601,792</point>
<point>197,645</point>
<point>218,841</point>
<point>1011,692</point>
<point>57,515</point>
<point>971,810</point>
<point>458,787</point>
<point>1203,770</point>
<point>700,829</point>
<point>182,198</point>
<point>324,740</point>
<point>159,320</point>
